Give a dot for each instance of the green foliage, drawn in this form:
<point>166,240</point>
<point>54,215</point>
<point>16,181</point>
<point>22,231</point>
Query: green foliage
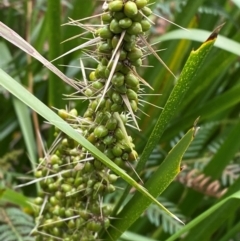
<point>201,193</point>
<point>15,225</point>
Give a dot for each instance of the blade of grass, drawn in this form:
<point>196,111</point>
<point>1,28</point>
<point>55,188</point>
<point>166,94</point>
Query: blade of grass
<point>27,131</point>
<point>160,180</point>
<point>56,87</point>
<point>14,197</point>
<point>205,215</point>
<point>200,35</point>
<point>189,71</point>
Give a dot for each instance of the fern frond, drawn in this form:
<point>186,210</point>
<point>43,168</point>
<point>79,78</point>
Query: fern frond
<point>230,174</point>
<point>157,216</point>
<point>15,225</point>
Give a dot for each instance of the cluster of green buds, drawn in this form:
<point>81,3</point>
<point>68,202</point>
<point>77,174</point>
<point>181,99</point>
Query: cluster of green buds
<point>73,182</point>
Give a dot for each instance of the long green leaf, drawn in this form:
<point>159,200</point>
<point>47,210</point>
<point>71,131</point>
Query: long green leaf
<point>200,35</point>
<point>205,215</point>
<point>185,80</point>
<point>56,87</point>
<point>11,196</point>
<point>160,180</point>
<point>27,130</point>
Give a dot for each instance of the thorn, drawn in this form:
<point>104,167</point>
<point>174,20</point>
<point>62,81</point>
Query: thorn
<point>170,22</point>
<point>155,54</point>
<point>109,78</point>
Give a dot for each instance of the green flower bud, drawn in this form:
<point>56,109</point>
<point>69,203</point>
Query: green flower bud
<point>100,131</point>
<point>130,9</point>
<point>107,210</point>
<point>56,231</point>
<point>92,76</point>
<point>39,174</point>
<point>141,3</point>
<point>132,155</point>
<point>92,138</point>
<point>106,18</point>
<point>132,95</point>
<point>119,162</point>
<point>88,167</point>
<point>69,213</point>
<point>109,153</point>
<point>84,214</point>
<point>98,187</point>
<point>129,45</point>
<point>119,134</point>
<point>116,108</point>
<point>88,92</point>
<point>115,41</point>
<point>146,11</point>
<point>111,124</point>
<point>125,156</point>
<point>116,98</point>
<point>53,200</point>
<point>125,23</point>
<point>110,188</point>
<point>108,140</point>
<point>123,54</point>
<point>71,223</point>
<point>66,187</point>
<point>131,80</point>
<point>104,61</point>
<point>105,48</point>
<point>135,54</point>
<point>59,194</point>
<point>63,114</point>
<point>135,28</point>
<point>118,79</point>
<point>145,25</point>
<point>119,15</point>
<point>121,89</point>
<point>137,18</point>
<point>106,223</point>
<point>105,32</point>
<point>115,6</point>
<point>117,150</point>
<point>133,104</point>
<point>94,226</point>
<point>97,85</point>
<point>129,38</point>
<point>89,113</point>
<point>78,181</point>
<point>38,201</point>
<point>115,27</point>
<point>137,62</point>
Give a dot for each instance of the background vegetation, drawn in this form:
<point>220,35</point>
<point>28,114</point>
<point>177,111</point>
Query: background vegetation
<point>211,164</point>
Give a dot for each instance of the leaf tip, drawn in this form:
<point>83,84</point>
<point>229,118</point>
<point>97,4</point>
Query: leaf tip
<point>195,127</point>
<point>215,33</point>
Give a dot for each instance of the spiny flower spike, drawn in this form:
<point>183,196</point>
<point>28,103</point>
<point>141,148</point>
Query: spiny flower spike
<point>72,180</point>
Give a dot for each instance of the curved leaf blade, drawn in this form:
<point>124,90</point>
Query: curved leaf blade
<point>160,180</point>
<point>204,216</point>
<point>199,36</point>
<point>184,82</point>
